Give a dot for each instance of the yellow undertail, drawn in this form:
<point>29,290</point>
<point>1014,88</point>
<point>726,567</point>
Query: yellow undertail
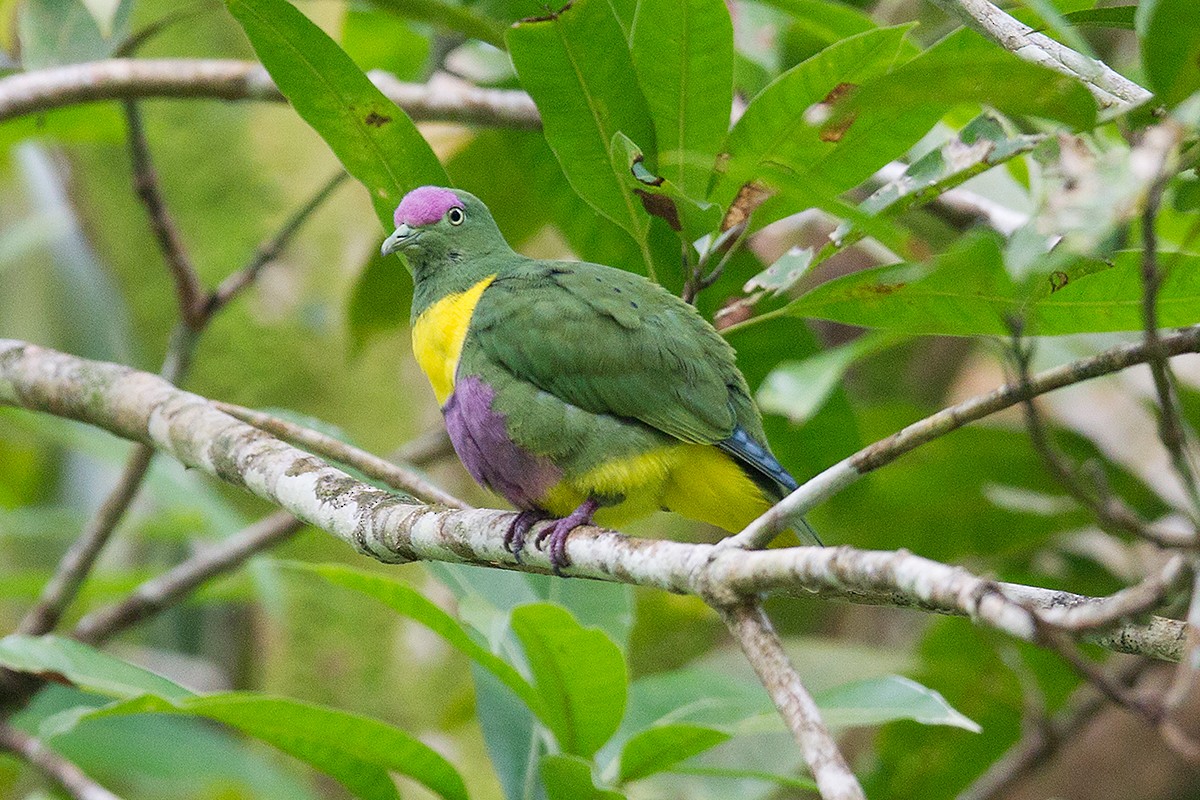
<point>697,481</point>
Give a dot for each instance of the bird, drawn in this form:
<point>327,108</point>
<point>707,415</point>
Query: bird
<point>581,393</point>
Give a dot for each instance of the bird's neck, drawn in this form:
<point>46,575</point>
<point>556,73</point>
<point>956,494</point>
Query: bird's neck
<point>439,275</point>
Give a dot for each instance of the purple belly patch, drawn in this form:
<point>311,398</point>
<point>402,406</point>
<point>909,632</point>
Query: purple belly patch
<point>480,437</point>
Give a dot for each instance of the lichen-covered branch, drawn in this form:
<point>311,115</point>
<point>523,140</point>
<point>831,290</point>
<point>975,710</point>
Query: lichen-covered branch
<point>1112,90</point>
<point>443,99</point>
<point>395,529</point>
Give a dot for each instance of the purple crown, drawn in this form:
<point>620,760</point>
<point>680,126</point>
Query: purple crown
<point>424,205</point>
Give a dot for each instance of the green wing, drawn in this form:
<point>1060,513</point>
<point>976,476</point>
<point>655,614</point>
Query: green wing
<point>611,342</point>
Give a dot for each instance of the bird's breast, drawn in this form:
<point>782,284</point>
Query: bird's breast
<point>439,333</point>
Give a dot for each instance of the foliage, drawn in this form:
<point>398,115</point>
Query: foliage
<point>790,164</point>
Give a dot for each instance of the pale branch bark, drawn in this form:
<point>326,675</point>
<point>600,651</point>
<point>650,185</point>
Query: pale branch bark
<point>196,311</point>
<point>169,588</point>
<point>371,465</point>
<point>188,289</point>
<point>389,528</point>
<point>1114,92</point>
<point>758,640</point>
<point>444,99</point>
<point>71,778</point>
<point>75,565</point>
<point>837,477</point>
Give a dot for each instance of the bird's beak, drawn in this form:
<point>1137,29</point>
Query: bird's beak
<point>402,236</point>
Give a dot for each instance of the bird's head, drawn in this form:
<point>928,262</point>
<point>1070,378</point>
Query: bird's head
<point>434,223</point>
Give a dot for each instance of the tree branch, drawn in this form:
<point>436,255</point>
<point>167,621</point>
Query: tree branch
<point>443,99</point>
<point>74,567</point>
<point>389,528</point>
<point>1113,91</point>
<point>269,250</point>
<point>1044,738</point>
<point>829,482</point>
<point>758,640</point>
<point>70,777</point>
<point>188,290</point>
<point>372,466</point>
<point>164,591</point>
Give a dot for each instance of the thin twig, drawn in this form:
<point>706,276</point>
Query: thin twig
<point>382,470</point>
<point>426,449</point>
<point>188,291</point>
<point>1153,713</point>
<point>758,640</point>
<point>1184,680</point>
<point>75,565</point>
<point>833,479</point>
<point>71,778</point>
<point>270,250</point>
<point>1112,514</point>
<point>1043,738</point>
<point>167,589</point>
<point>1159,145</point>
<point>1112,90</point>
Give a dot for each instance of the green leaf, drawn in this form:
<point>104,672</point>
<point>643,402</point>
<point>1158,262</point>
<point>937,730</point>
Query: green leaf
<point>379,301</point>
<point>789,781</point>
<point>1120,17</point>
<point>967,291</point>
<point>449,16</point>
<point>110,15</point>
<point>887,699</point>
<point>85,667</point>
<point>966,69</point>
<point>774,131</point>
<point>375,141</point>
<point>1170,41</point>
<point>576,65</point>
<point>56,32</point>
<point>661,747</point>
<point>683,55</point>
<point>798,389</point>
<point>1049,17</point>
<point>570,778</point>
<point>378,40</point>
<point>579,672</point>
<point>357,751</point>
<point>825,21</point>
<point>660,197</point>
<point>407,601</point>
<point>164,757</point>
<point>782,276</point>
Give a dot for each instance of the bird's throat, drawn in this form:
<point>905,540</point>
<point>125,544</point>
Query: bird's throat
<point>438,335</point>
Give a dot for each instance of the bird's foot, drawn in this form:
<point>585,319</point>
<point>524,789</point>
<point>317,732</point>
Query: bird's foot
<point>558,532</point>
<point>514,538</point>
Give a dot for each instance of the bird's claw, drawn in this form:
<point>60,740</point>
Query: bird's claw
<point>514,537</point>
<point>558,532</point>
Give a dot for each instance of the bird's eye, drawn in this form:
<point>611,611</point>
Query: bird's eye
<point>456,216</point>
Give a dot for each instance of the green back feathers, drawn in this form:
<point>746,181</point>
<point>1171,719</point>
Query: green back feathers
<point>611,342</point>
